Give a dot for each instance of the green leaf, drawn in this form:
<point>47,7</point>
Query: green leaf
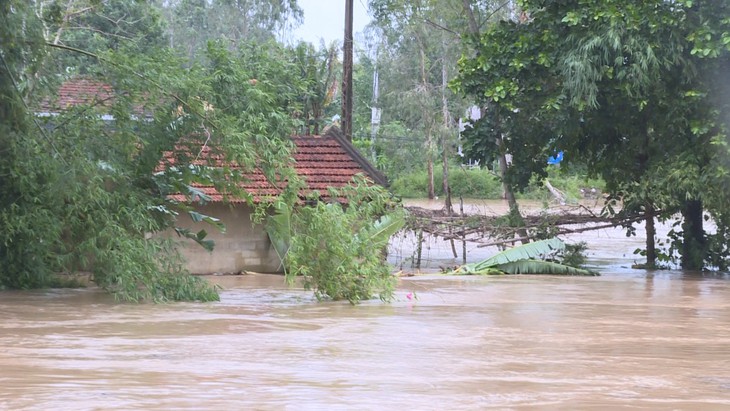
<point>198,237</point>
<point>522,252</point>
<point>215,222</point>
<point>278,227</point>
<point>379,234</point>
<point>541,267</point>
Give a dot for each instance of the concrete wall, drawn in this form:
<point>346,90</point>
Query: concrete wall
<point>243,247</point>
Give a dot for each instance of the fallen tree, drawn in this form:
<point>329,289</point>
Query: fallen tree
<point>491,230</point>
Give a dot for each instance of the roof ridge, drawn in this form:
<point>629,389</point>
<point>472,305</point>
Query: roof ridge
<point>373,172</point>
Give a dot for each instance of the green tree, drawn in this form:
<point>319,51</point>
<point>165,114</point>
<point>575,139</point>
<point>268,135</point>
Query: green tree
<point>615,84</point>
<point>192,23</point>
<point>338,247</point>
<point>78,193</point>
<point>96,26</point>
<point>418,42</point>
<point>319,70</point>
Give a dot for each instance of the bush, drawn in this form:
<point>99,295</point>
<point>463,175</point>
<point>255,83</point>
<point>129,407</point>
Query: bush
<point>339,250</point>
<point>483,184</point>
<point>468,183</point>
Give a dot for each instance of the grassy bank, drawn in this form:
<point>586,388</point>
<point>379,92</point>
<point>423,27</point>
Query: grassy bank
<point>483,184</point>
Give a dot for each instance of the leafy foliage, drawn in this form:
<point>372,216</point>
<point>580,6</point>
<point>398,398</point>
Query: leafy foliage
<point>81,193</point>
<point>338,248</point>
<point>574,254</point>
<point>632,89</point>
<point>319,70</point>
<point>193,23</point>
<point>468,183</point>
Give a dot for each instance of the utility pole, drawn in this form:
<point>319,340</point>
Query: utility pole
<point>376,112</point>
<point>347,73</point>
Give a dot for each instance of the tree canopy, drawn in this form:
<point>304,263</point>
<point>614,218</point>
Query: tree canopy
<point>88,186</point>
<point>82,193</point>
<point>629,88</point>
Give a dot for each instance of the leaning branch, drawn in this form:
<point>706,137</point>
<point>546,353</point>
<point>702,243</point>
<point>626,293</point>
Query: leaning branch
<point>106,33</point>
<point>140,75</point>
<point>560,232</point>
<point>446,29</point>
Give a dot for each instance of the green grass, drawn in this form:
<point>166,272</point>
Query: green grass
<point>483,184</point>
<point>468,183</point>
<point>568,184</point>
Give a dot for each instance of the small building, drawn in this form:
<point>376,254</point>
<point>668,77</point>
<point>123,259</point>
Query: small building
<point>324,161</point>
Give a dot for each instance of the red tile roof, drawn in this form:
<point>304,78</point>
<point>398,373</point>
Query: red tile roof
<point>323,162</point>
<point>79,92</point>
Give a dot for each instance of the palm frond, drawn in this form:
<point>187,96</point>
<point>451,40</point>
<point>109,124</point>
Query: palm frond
<point>380,232</point>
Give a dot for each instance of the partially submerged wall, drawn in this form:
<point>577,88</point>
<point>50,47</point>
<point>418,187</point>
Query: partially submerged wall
<point>243,247</point>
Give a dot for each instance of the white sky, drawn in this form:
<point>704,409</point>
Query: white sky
<point>325,19</point>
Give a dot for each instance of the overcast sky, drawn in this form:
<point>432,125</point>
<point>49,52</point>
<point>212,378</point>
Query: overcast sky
<point>325,19</point>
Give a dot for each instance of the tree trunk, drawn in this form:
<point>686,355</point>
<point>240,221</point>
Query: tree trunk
<point>471,19</point>
<point>429,168</point>
<point>693,236</point>
<point>426,119</point>
<point>516,219</point>
<point>650,235</point>
<point>444,139</point>
<point>507,193</point>
<point>445,179</point>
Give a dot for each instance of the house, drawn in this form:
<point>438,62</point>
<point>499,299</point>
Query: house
<point>323,161</point>
<point>77,92</point>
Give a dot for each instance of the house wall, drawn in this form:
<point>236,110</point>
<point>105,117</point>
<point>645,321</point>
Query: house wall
<point>243,247</point>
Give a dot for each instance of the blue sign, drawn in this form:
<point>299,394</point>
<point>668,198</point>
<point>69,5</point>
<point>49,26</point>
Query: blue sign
<point>556,159</point>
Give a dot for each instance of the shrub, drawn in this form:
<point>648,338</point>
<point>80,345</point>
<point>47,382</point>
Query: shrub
<point>468,183</point>
<point>339,250</point>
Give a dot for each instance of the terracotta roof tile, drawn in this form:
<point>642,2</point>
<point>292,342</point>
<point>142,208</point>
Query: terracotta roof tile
<point>321,161</point>
<point>79,92</point>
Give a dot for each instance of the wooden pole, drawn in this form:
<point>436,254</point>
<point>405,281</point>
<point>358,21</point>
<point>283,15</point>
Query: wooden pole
<point>419,249</point>
<point>347,73</point>
<point>463,230</point>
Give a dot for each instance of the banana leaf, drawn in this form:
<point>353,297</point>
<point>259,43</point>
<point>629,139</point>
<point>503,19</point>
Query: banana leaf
<point>541,267</point>
<point>278,227</point>
<point>486,271</point>
<point>198,237</point>
<point>380,232</point>
<point>521,252</point>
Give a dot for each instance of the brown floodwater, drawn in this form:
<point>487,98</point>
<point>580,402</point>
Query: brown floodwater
<point>629,340</point>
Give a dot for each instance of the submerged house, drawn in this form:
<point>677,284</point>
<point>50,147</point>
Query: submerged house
<point>324,161</point>
<point>321,161</point>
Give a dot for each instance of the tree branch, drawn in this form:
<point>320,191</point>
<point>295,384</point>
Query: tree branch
<point>74,13</point>
<point>140,75</point>
<point>563,232</point>
<point>99,31</point>
<point>438,26</point>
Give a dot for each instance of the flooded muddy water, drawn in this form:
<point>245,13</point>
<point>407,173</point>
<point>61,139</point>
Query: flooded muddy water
<point>625,340</point>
